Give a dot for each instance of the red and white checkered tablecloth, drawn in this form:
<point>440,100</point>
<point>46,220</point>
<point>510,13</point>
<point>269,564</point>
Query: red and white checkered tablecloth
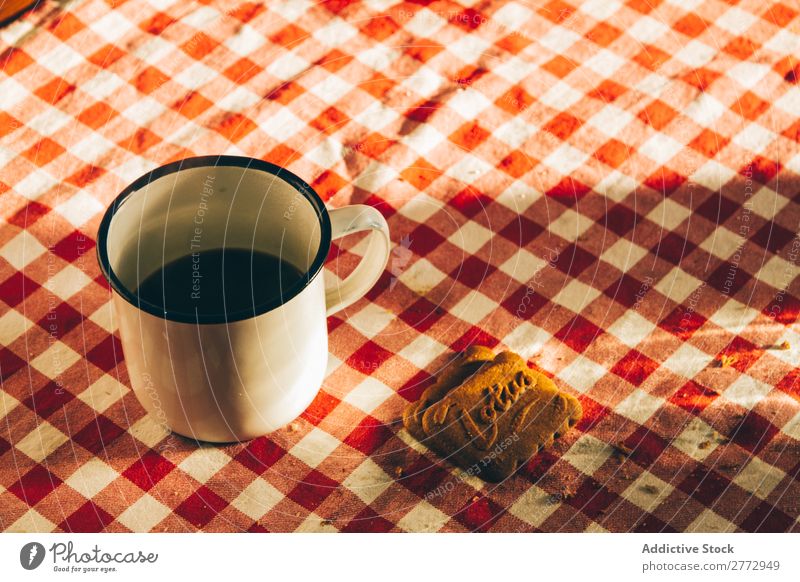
<point>610,188</point>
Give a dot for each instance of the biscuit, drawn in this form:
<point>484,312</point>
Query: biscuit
<point>490,414</point>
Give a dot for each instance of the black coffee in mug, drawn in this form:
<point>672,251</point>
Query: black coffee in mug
<point>218,281</point>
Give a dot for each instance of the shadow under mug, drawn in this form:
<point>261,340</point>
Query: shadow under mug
<point>231,376</point>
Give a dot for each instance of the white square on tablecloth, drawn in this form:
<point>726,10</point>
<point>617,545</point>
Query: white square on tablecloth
<point>369,394</point>
<point>587,454</point>
<point>31,521</point>
<point>240,99</point>
<point>647,30</point>
<point>287,66</point>
<point>112,26</point>
<point>534,506</point>
<point>103,393</point>
<point>67,282</point>
<point>648,491</point>
<point>668,214</point>
<point>623,254</point>
<point>204,462</point>
<point>79,208</point>
<point>515,132</point>
<point>695,53</point>
<point>424,24</point>
<point>35,184</point>
<point>570,225</point>
<point>519,196</point>
<point>639,406</point>
<point>755,137</point>
<point>424,518</point>
<point>697,439</point>
<point>149,431</point>
<point>677,285</point>
<point>734,316</point>
<point>55,360</point>
<point>470,237</point>
<point>335,32</point>
<point>371,320</point>
<point>282,125</point>
<point>710,522</point>
<point>514,69</point>
<point>468,169</point>
<point>421,276</point>
<point>257,499</point>
<point>687,361</point>
<point>758,477</point>
<point>468,48</point>
<point>605,63</point>
<point>783,41</point>
<point>378,57</point>
<point>91,149</point>
<point>616,186</point>
<point>12,325</point>
<point>422,351</point>
<point>368,481</point>
<point>12,93</point>
<point>576,295</point>
<point>748,74</point>
<point>153,50</point>
<point>423,139</point>
<point>660,148</point>
<point>102,84</point>
<point>331,89</point>
<point>196,75</point>
<point>566,159</point>
<point>145,513</point>
<point>735,20</point>
<point>582,373</point>
<point>705,110</point>
<point>419,209</point>
<point>631,328</point>
<point>92,477</point>
<point>374,177</point>
<point>522,266</point>
<point>722,242</point>
<point>50,121</point>
<point>747,391</point>
<point>327,153</point>
<point>600,9</point>
<point>558,39</point>
<point>468,103</point>
<point>767,203</point>
<point>291,10</point>
<point>22,250</point>
<point>145,110</point>
<point>527,339</point>
<point>246,41</point>
<point>41,441</point>
<point>610,120</point>
<point>512,15</point>
<point>473,307</point>
<point>561,96</point>
<point>315,447</point>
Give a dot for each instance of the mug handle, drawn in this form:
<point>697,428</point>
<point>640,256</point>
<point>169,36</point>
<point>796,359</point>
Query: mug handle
<point>349,220</point>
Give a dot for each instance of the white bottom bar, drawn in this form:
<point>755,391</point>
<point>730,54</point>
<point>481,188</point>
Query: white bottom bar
<point>404,557</point>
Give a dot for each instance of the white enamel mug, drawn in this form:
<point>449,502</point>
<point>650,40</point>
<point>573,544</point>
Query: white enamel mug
<point>230,376</point>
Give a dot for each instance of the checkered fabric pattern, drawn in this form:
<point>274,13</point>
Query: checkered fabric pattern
<point>609,188</point>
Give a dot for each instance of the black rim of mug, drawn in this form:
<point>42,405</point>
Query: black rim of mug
<point>215,161</point>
